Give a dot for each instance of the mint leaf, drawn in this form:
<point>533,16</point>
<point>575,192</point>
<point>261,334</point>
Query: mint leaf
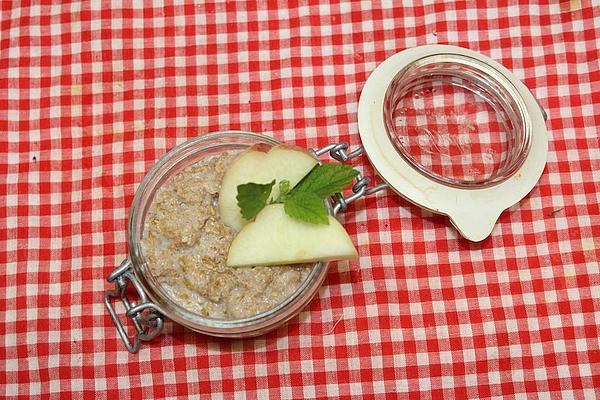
<point>307,207</point>
<point>325,180</point>
<point>252,197</point>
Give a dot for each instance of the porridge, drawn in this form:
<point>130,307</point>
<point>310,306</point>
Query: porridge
<point>186,246</point>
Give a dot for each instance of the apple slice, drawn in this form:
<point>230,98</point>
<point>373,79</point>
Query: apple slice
<point>261,164</point>
<point>274,238</point>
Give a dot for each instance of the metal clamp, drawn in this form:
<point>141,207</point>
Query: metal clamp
<point>148,325</point>
<point>340,152</point>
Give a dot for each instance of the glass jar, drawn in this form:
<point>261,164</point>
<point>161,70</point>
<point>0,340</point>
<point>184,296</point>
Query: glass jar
<point>154,300</point>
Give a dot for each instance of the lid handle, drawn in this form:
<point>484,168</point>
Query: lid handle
<point>475,224</point>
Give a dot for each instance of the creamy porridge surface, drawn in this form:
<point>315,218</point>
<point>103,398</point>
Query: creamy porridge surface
<point>186,246</point>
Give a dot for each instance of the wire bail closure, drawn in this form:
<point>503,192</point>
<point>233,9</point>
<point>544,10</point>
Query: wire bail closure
<point>146,316</point>
<point>339,152</point>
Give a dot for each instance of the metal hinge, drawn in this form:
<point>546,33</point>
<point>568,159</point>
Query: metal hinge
<point>146,316</point>
<point>340,152</point>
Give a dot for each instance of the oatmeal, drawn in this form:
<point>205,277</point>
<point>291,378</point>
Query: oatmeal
<point>186,246</point>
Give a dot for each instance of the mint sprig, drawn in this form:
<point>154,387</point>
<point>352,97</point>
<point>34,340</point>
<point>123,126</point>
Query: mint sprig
<point>305,201</point>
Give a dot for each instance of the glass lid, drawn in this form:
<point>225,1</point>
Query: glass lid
<point>457,120</point>
<point>454,132</point>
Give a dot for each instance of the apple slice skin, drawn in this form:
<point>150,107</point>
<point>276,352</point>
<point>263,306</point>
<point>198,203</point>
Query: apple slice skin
<point>261,163</point>
<point>274,238</point>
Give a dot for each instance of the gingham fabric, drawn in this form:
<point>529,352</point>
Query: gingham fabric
<point>93,93</point>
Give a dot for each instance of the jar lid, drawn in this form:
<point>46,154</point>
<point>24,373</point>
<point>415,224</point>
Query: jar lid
<point>453,132</point>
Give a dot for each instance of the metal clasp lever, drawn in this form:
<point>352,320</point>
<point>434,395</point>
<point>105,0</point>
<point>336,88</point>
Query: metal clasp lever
<point>148,325</point>
<point>339,151</point>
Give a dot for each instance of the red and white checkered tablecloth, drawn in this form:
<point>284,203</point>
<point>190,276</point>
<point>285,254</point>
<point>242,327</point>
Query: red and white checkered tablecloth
<point>93,93</point>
